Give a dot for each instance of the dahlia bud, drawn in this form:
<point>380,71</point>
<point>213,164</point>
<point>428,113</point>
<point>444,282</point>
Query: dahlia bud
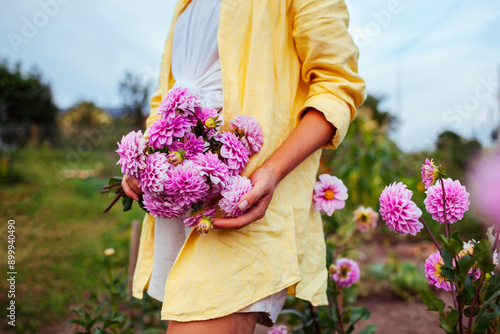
<point>204,225</point>
<point>210,123</point>
<point>176,157</point>
<point>332,270</point>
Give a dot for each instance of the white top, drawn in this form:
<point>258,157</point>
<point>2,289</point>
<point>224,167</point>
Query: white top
<point>195,52</point>
<point>195,65</point>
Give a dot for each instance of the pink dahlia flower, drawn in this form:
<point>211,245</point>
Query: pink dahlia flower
<point>278,330</point>
<point>457,201</point>
<point>233,152</point>
<point>430,173</point>
<point>485,180</point>
<point>346,272</point>
<point>185,184</point>
<point>433,272</point>
<point>398,211</point>
<point>249,131</point>
<point>162,207</point>
<point>178,100</point>
<point>154,175</point>
<point>212,168</point>
<point>192,145</point>
<point>237,187</point>
<point>162,132</point>
<point>131,152</point>
<point>329,194</point>
<point>365,218</point>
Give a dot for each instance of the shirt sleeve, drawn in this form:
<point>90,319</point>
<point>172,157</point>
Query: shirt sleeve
<point>329,62</point>
<point>154,103</point>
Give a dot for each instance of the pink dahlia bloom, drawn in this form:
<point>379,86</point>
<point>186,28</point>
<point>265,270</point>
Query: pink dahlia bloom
<point>278,330</point>
<point>155,173</point>
<point>131,152</point>
<point>249,131</point>
<point>233,152</point>
<point>398,211</point>
<point>430,173</point>
<point>185,184</point>
<point>162,207</point>
<point>365,218</point>
<point>485,180</point>
<point>457,201</point>
<point>163,132</point>
<point>346,272</point>
<point>237,187</point>
<point>178,100</point>
<point>192,145</point>
<point>433,272</point>
<point>212,168</point>
<point>329,194</point>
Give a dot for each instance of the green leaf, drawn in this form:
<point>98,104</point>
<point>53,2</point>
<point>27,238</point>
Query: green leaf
<point>483,322</point>
<point>464,265</point>
<point>370,329</point>
<point>296,313</point>
<point>141,204</point>
<point>114,179</point>
<point>453,244</point>
<point>447,257</point>
<point>483,254</point>
<point>127,203</point>
<point>432,302</point>
<point>468,291</point>
<point>493,286</point>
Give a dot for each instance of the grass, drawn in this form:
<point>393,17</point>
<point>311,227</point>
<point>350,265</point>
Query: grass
<point>61,232</point>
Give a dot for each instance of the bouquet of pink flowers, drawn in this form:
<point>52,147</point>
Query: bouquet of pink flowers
<point>186,165</point>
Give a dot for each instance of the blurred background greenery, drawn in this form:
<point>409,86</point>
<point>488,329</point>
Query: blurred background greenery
<point>54,162</point>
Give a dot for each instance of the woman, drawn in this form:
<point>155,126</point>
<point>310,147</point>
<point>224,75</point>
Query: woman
<point>292,65</point>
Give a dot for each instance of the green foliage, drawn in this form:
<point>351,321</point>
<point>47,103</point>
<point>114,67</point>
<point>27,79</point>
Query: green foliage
<point>25,98</point>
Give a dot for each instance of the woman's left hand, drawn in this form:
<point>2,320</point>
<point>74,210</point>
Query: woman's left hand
<point>255,202</point>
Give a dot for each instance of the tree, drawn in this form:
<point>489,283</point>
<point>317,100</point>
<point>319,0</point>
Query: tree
<point>25,98</point>
<point>134,95</point>
<point>27,109</point>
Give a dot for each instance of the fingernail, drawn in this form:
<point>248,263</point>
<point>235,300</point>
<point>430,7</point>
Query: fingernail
<point>243,205</point>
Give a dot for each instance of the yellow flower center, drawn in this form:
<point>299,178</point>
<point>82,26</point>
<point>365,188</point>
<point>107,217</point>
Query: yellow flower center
<point>329,194</point>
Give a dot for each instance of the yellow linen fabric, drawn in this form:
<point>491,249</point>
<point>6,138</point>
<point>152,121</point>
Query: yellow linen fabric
<point>278,58</point>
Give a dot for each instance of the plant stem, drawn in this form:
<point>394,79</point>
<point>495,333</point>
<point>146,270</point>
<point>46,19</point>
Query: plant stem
<point>495,243</point>
<point>339,314</point>
<point>474,300</point>
<point>315,321</point>
<point>112,185</point>
<point>430,233</point>
<point>119,194</point>
<point>460,313</point>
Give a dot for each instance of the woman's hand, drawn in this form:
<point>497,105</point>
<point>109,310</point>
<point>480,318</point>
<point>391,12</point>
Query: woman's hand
<point>131,187</point>
<point>312,132</point>
<point>255,202</point>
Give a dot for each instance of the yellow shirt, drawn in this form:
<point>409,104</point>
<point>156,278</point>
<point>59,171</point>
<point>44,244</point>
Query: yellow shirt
<point>278,58</point>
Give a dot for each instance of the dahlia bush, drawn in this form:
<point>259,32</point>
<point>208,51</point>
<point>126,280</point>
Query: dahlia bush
<point>185,162</point>
<point>464,269</point>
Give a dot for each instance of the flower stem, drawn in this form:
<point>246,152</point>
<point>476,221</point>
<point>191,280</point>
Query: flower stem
<point>430,233</point>
<point>495,243</point>
<point>474,300</point>
<point>315,321</point>
<point>339,314</point>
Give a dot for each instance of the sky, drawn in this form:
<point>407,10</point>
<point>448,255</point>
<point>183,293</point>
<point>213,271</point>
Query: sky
<point>436,64</point>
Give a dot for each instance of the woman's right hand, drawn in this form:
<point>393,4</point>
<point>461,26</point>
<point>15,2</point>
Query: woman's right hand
<point>131,187</point>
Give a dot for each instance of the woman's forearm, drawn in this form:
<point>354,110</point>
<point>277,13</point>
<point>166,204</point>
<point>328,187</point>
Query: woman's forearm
<point>312,132</point>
